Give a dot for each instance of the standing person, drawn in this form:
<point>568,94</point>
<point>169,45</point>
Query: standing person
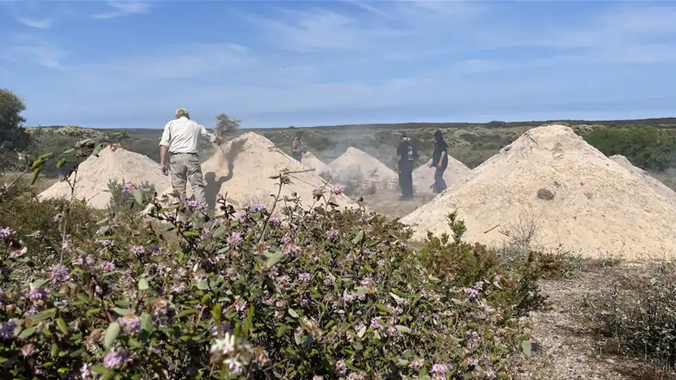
<point>406,155</point>
<point>181,138</point>
<point>296,151</point>
<point>439,161</point>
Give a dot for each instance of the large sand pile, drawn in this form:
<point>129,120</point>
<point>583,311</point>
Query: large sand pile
<point>312,162</point>
<point>242,168</point>
<point>573,195</point>
<point>653,182</point>
<point>115,164</point>
<point>423,176</point>
<point>355,164</point>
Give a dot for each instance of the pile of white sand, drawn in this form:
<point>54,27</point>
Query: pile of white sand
<point>423,176</point>
<point>242,169</point>
<point>312,162</point>
<point>577,199</point>
<point>653,182</point>
<point>113,163</point>
<point>355,164</point>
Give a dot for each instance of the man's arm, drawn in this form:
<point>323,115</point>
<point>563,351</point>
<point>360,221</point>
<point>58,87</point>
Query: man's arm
<point>208,135</point>
<point>165,142</point>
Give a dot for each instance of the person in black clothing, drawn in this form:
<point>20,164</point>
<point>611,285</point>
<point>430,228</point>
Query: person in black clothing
<point>439,161</point>
<point>406,155</point>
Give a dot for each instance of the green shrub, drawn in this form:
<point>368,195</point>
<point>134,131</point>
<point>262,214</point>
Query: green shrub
<point>514,279</point>
<point>317,294</point>
<point>123,196</point>
<point>638,313</point>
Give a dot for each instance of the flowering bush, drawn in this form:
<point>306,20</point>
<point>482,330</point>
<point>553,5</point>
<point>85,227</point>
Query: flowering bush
<point>126,196</point>
<point>307,294</point>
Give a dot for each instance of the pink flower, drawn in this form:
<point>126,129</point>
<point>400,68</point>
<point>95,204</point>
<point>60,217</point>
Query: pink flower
<point>338,189</point>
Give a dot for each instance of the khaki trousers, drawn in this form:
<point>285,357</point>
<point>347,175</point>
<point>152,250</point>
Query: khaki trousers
<point>184,168</point>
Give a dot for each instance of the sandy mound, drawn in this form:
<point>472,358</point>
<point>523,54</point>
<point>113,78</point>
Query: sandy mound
<point>112,164</point>
<point>315,163</point>
<point>653,182</point>
<point>355,164</point>
<point>573,195</point>
<point>242,168</point>
<point>423,176</point>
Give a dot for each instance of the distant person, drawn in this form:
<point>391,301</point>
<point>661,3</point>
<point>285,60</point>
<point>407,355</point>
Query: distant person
<point>296,150</point>
<point>406,156</point>
<point>180,138</point>
<point>439,161</point>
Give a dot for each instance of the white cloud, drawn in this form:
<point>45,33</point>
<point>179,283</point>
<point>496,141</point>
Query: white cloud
<point>124,7</point>
<point>319,29</point>
<point>31,49</point>
<point>26,12</point>
<point>36,23</point>
<point>175,61</point>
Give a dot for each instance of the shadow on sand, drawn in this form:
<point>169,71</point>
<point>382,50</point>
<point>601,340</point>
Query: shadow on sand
<point>212,185</point>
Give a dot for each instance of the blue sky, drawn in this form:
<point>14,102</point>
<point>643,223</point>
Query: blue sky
<point>278,63</point>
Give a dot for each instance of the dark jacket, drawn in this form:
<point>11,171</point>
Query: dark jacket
<point>407,153</point>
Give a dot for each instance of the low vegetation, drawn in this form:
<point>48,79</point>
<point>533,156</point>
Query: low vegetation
<point>637,314</point>
<point>261,292</point>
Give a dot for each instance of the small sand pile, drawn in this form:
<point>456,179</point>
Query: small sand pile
<point>423,176</point>
<point>115,164</point>
<point>653,182</point>
<point>312,162</point>
<point>552,185</point>
<point>355,164</point>
<point>242,168</point>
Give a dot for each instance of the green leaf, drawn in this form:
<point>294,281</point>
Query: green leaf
<point>191,234</point>
<point>138,196</point>
<point>361,332</point>
<point>61,163</point>
<point>44,315</point>
<point>147,322</point>
<point>220,231</point>
<point>526,347</point>
<point>71,150</point>
<point>361,290</point>
<point>112,332</point>
<point>37,163</point>
<point>38,283</point>
<point>98,368</point>
<point>61,324</point>
<point>54,351</point>
<point>121,311</point>
<point>27,333</point>
<point>358,239</point>
<point>217,312</point>
<point>185,313</point>
<point>108,375</point>
<point>97,150</point>
<point>403,329</point>
<point>293,313</point>
<point>273,259</point>
<point>46,156</point>
<point>202,285</point>
<point>143,284</point>
<point>36,173</point>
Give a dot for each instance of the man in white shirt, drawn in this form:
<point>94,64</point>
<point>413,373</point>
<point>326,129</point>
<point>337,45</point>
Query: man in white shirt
<point>181,138</point>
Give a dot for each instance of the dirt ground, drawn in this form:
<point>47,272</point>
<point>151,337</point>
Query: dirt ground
<point>388,202</point>
<point>564,347</point>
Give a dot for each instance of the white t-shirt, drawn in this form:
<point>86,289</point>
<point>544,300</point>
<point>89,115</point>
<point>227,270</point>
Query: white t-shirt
<point>182,135</point>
